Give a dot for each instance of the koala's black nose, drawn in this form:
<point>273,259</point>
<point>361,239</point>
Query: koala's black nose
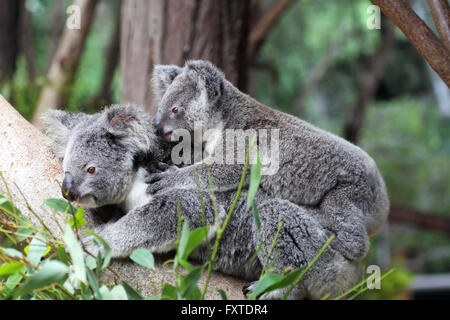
<point>68,188</point>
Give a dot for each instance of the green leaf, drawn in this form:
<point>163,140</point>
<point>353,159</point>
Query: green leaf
<point>256,217</point>
<point>105,293</point>
<point>189,283</point>
<point>62,255</point>
<point>223,295</point>
<point>58,205</point>
<point>268,280</point>
<point>255,179</point>
<point>91,262</point>
<point>287,280</point>
<point>144,258</point>
<point>131,292</point>
<point>169,292</point>
<point>119,293</point>
<point>7,269</point>
<point>107,255</point>
<point>184,238</point>
<point>50,273</point>
<point>196,237</point>
<point>75,252</point>
<point>78,220</point>
<point>13,281</point>
<point>24,233</point>
<point>94,284</point>
<point>36,249</point>
<point>13,253</point>
<point>2,200</point>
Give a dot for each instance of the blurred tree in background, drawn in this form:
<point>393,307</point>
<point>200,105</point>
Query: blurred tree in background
<point>315,59</point>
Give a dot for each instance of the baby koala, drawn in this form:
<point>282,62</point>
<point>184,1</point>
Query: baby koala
<point>106,157</point>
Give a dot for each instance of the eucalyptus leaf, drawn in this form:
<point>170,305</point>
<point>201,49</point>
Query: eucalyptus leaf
<point>119,293</point>
<point>196,237</point>
<point>50,273</point>
<point>76,253</point>
<point>131,292</point>
<point>255,179</point>
<point>57,205</point>
<point>10,268</point>
<point>267,281</point>
<point>144,258</point>
<point>36,249</point>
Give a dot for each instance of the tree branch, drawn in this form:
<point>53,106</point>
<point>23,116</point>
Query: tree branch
<point>26,162</point>
<point>419,34</point>
<point>441,16</point>
<point>260,30</point>
<point>424,220</point>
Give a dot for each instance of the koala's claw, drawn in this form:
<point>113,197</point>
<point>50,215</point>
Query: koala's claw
<point>248,289</point>
<point>155,177</point>
<point>162,166</point>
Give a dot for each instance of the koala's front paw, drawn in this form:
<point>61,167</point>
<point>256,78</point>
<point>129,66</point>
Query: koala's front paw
<point>158,182</point>
<point>273,295</point>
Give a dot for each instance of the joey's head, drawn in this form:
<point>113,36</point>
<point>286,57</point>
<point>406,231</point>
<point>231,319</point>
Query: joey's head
<point>99,152</point>
<point>186,96</point>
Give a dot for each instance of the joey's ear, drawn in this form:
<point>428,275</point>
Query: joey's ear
<point>131,126</point>
<point>58,126</point>
<point>163,76</point>
<point>208,77</point>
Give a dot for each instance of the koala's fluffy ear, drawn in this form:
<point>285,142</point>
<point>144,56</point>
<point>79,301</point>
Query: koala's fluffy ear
<point>131,125</point>
<point>163,76</point>
<point>208,77</point>
<point>58,125</point>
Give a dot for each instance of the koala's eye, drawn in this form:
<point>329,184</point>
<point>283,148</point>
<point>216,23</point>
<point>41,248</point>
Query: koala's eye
<point>175,110</point>
<point>91,170</point>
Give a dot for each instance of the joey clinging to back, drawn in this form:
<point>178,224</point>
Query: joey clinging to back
<point>316,168</point>
<point>101,153</point>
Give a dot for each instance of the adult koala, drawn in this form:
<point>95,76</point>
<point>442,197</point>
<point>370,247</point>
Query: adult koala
<point>105,158</point>
<point>332,180</point>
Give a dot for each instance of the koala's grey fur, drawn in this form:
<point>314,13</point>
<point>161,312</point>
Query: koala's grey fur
<point>328,177</point>
<point>119,142</point>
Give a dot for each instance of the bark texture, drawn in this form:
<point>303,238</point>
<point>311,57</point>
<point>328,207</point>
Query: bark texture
<point>419,34</point>
<point>27,162</point>
<point>172,31</point>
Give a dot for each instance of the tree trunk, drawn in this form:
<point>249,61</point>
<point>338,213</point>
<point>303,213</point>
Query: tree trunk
<point>104,96</point>
<point>172,31</point>
<point>65,62</point>
<point>9,46</point>
<point>27,163</point>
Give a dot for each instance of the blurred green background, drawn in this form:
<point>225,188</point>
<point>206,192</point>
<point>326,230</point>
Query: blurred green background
<point>406,128</point>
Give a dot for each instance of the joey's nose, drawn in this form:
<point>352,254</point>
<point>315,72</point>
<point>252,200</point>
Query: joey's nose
<point>157,124</point>
<point>68,189</point>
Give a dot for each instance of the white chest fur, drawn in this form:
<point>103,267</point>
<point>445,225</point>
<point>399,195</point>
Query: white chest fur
<point>137,195</point>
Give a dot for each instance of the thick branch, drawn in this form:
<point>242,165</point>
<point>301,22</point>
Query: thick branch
<point>424,220</point>
<point>418,33</point>
<point>441,16</point>
<point>260,30</point>
<point>112,61</point>
<point>26,161</point>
